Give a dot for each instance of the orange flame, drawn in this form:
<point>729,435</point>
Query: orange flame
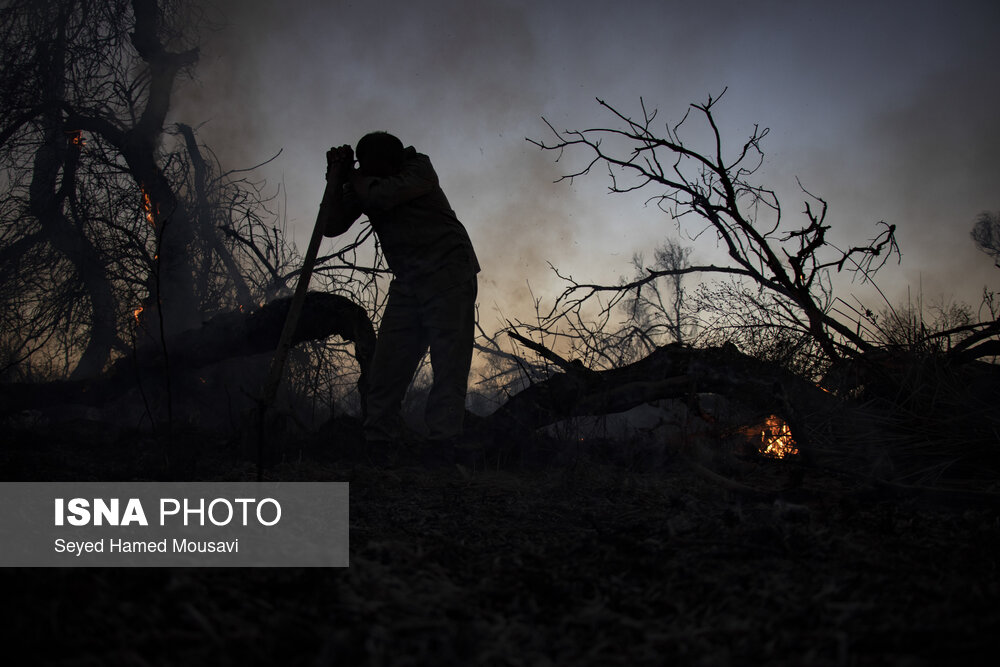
<point>147,206</point>
<point>776,439</point>
<point>136,313</point>
<point>76,138</point>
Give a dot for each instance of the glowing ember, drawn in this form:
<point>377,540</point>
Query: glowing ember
<point>76,138</point>
<point>776,439</point>
<point>136,313</point>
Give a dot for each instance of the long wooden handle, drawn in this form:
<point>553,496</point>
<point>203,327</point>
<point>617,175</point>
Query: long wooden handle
<point>294,311</point>
<point>274,374</point>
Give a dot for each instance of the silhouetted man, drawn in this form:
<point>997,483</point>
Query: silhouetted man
<point>432,296</point>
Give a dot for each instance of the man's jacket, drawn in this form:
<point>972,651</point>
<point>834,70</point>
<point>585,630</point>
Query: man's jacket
<point>425,245</point>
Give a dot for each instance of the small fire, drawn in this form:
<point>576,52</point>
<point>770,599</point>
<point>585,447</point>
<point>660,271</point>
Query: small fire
<point>147,206</point>
<point>776,439</point>
<point>76,138</point>
<point>136,313</point>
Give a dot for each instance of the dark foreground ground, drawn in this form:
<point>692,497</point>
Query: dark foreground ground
<point>585,561</point>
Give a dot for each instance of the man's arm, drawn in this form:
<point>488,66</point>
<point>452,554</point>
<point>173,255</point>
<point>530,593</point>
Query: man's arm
<point>416,178</point>
<point>338,211</point>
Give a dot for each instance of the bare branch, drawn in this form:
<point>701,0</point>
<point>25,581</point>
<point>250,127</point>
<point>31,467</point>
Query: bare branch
<point>712,190</point>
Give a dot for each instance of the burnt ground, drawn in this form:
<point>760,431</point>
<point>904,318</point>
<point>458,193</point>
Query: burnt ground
<point>584,558</point>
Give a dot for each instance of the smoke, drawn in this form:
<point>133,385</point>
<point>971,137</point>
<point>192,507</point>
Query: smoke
<point>926,163</point>
<point>897,125</point>
<point>278,72</point>
<point>453,79</point>
<point>519,221</point>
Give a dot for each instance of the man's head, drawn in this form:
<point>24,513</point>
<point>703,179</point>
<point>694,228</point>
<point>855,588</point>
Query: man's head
<point>379,154</point>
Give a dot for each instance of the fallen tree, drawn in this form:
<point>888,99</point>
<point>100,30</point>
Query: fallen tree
<point>225,336</point>
<point>669,372</point>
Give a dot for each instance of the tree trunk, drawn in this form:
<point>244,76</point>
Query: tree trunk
<point>53,183</point>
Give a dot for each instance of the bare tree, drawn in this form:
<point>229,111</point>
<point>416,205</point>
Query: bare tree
<point>660,312</point>
<point>986,235</point>
<point>715,187</point>
<point>111,218</point>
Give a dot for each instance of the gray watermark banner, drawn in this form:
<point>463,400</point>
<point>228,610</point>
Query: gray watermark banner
<point>174,524</point>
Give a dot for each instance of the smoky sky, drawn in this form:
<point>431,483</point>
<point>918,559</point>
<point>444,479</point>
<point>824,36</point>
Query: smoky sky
<point>887,110</point>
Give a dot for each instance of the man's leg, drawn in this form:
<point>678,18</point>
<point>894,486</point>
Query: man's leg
<point>451,319</point>
<point>400,347</point>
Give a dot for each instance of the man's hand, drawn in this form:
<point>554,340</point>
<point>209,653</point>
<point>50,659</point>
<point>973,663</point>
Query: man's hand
<point>339,208</point>
<point>339,161</point>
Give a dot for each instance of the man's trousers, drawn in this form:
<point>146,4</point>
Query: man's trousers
<point>412,323</point>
